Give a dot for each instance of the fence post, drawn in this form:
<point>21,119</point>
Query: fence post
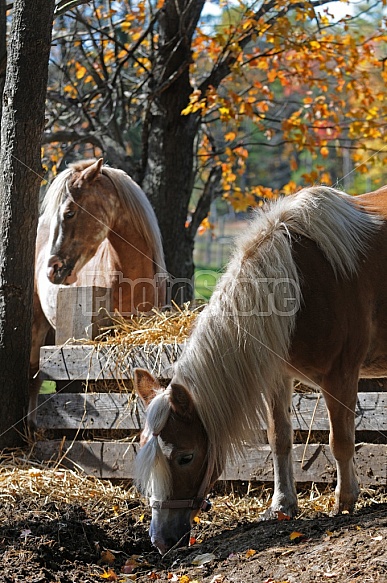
<point>81,311</point>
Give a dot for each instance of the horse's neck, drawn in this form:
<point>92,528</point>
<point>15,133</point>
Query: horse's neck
<point>123,262</point>
<point>134,255</point>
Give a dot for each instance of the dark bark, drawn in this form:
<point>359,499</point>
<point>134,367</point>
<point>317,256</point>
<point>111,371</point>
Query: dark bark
<point>3,49</point>
<point>20,177</point>
<point>169,136</point>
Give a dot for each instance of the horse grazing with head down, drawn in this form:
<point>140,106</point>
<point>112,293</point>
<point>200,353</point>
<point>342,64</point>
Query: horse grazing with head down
<point>304,297</point>
<point>97,228</point>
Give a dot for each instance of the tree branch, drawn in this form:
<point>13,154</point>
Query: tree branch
<point>66,5</point>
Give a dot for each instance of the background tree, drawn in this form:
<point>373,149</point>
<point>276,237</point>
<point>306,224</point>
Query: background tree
<point>3,47</point>
<point>20,176</point>
<point>181,102</point>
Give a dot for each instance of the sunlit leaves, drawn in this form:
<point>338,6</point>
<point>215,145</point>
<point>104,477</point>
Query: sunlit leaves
<point>263,74</point>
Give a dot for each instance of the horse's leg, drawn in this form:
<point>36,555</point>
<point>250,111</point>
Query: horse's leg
<point>280,436</point>
<point>340,398</point>
<point>40,327</point>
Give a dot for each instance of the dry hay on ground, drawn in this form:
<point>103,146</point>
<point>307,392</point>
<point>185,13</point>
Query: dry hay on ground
<point>58,525</point>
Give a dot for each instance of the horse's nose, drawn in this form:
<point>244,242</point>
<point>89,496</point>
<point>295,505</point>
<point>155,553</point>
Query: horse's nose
<point>53,266</point>
<point>164,545</point>
<point>161,546</point>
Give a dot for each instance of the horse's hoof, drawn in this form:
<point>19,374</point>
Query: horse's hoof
<point>343,508</point>
<point>277,514</point>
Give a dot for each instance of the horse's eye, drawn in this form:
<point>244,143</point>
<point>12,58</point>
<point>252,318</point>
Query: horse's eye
<point>185,459</point>
<point>69,214</point>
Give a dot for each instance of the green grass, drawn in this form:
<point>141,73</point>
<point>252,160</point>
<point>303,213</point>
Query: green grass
<point>205,281</point>
<point>48,387</point>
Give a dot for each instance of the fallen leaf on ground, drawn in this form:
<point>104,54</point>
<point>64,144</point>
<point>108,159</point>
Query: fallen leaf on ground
<point>282,515</point>
<point>295,535</point>
<point>107,557</point>
<point>109,575</point>
<point>250,553</point>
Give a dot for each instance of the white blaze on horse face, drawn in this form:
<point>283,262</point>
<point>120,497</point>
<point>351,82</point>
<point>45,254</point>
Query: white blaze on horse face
<point>74,239</point>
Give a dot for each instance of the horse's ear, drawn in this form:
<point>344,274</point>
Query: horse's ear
<point>89,174</point>
<point>181,401</point>
<point>145,385</point>
<point>92,172</point>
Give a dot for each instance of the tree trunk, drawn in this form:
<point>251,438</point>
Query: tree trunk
<point>3,50</point>
<point>169,138</point>
<point>20,177</point>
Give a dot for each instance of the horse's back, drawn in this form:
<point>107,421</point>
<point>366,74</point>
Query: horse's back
<point>375,201</point>
<point>342,320</point>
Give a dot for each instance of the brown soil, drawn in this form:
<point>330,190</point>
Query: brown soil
<point>57,527</point>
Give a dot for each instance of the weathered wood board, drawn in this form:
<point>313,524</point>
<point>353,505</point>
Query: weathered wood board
<point>99,362</point>
<point>120,411</point>
<point>117,411</point>
<point>312,463</point>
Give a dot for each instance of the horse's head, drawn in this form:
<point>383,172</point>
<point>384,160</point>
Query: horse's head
<point>173,467</point>
<point>80,223</point>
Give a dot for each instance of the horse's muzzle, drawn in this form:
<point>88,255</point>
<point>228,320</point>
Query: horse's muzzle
<point>58,271</point>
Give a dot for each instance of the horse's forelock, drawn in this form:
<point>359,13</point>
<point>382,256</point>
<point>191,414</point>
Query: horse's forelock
<point>152,473</point>
<point>53,197</point>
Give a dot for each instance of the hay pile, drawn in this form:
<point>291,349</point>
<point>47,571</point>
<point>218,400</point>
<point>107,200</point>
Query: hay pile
<point>161,327</point>
<point>22,478</point>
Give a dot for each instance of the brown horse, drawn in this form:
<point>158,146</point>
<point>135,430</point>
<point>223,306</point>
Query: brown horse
<point>97,228</point>
<point>305,297</point>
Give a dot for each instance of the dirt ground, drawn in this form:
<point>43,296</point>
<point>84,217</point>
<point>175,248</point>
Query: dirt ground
<point>56,526</point>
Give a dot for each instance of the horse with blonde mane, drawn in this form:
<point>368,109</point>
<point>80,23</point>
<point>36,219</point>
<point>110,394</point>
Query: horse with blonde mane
<point>304,297</point>
<point>97,228</point>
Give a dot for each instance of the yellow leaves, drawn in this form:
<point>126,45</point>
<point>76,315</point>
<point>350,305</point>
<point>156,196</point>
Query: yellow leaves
<point>70,90</point>
<point>225,113</point>
<point>272,75</point>
<point>230,136</point>
<point>288,188</point>
<point>109,575</point>
<point>205,225</point>
<point>80,71</point>
<point>250,553</point>
<point>196,103</point>
<point>315,45</point>
<point>296,536</point>
<point>184,579</point>
<point>362,168</point>
<point>324,152</point>
<point>263,64</point>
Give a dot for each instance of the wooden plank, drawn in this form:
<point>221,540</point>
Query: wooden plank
<point>312,463</point>
<point>81,311</point>
<point>100,459</point>
<point>309,411</point>
<point>118,411</point>
<point>99,362</point>
<point>90,411</point>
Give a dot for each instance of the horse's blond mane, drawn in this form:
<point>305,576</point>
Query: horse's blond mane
<point>130,195</point>
<point>150,458</point>
<point>239,347</point>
